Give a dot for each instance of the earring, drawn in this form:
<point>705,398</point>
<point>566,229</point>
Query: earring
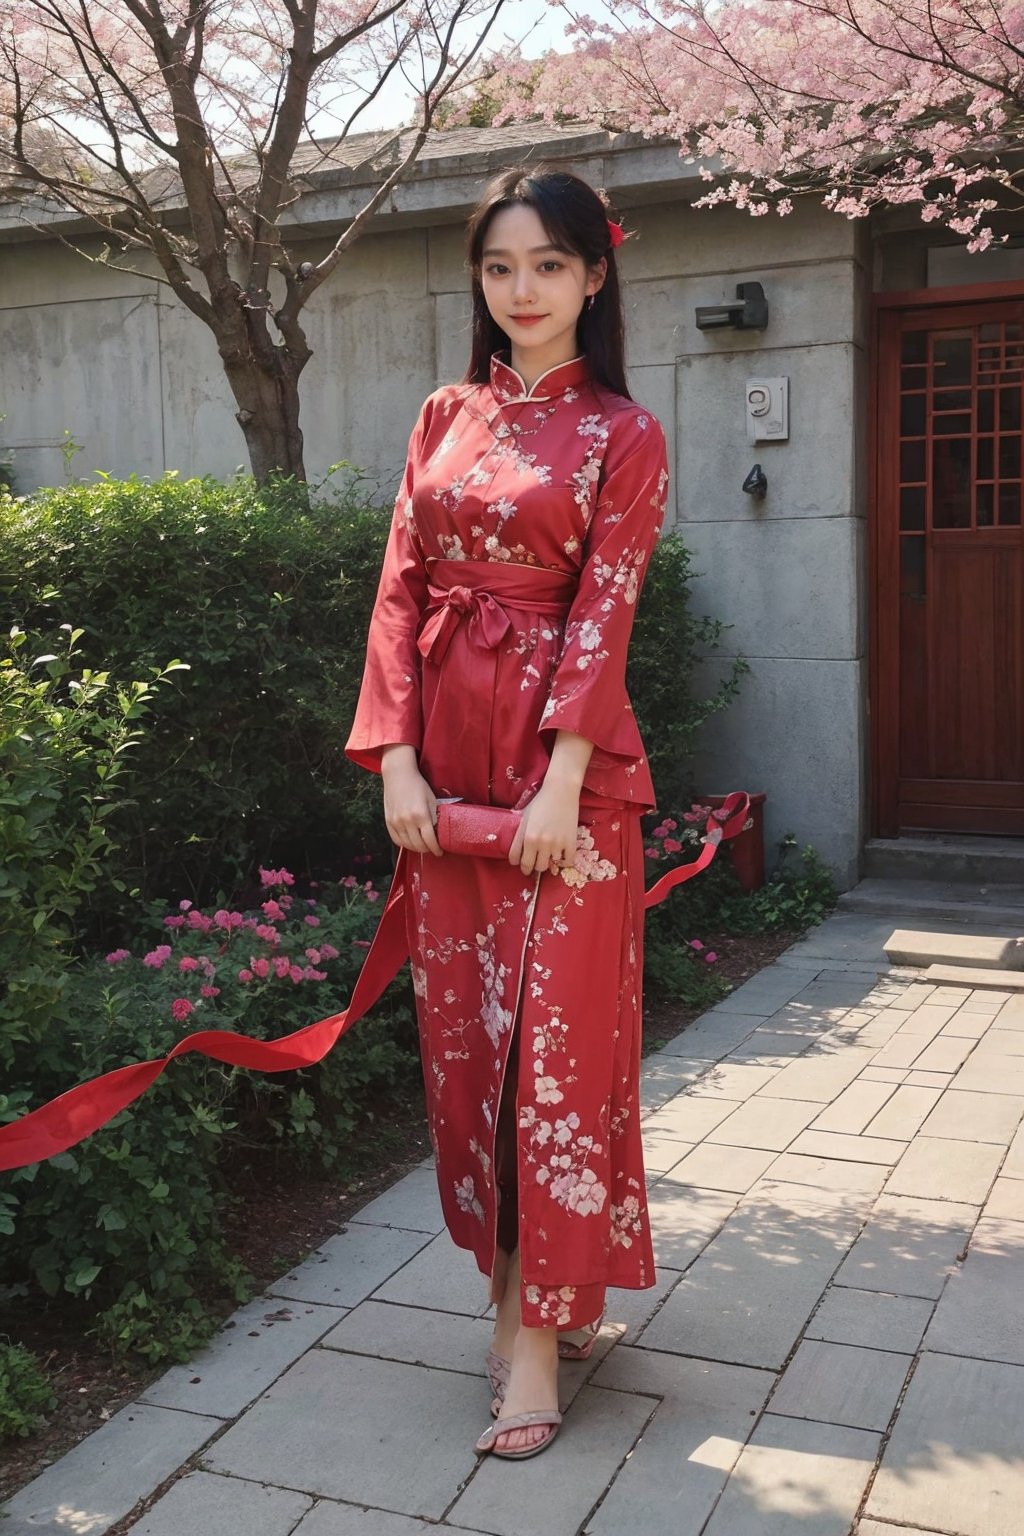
<point>590,302</point>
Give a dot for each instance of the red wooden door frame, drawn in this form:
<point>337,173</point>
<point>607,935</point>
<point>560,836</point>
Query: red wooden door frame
<point>883,629</point>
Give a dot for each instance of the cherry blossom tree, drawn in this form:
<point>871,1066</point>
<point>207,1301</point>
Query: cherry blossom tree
<point>860,102</point>
<point>185,131</point>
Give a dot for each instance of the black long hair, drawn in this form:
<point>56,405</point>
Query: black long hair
<point>575,219</point>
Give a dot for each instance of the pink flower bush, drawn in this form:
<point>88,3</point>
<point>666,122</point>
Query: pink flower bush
<point>156,957</point>
<point>117,955</point>
<point>272,877</point>
<point>188,963</point>
<point>181,1008</point>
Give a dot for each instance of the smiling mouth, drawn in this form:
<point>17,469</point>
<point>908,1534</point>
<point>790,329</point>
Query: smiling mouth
<point>529,317</point>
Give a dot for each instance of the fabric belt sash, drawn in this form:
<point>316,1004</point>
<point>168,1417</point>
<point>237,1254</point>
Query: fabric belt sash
<point>477,594</point>
<point>460,589</point>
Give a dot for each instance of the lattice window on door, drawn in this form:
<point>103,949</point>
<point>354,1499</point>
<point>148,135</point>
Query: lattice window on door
<point>960,430</point>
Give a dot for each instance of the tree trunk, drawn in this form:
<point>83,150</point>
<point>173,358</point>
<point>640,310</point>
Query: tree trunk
<point>268,410</point>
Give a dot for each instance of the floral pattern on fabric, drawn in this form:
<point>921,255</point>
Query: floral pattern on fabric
<point>550,501</point>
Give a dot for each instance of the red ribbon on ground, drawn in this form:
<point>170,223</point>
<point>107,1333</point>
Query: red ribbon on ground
<point>74,1115</point>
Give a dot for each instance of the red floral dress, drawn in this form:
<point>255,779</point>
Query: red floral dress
<point>518,548</point>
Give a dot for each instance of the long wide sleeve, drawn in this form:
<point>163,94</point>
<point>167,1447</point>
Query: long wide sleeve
<point>389,707</point>
<point>588,689</point>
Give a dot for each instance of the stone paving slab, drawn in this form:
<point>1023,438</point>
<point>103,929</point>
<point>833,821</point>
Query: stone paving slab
<point>330,1519</point>
<point>855,1107</point>
<point>725,1168</point>
<point>824,1173</point>
<point>954,1460</point>
<point>748,1295</point>
<point>883,1528</point>
<point>412,1204</point>
<point>908,1246</point>
<point>203,1504</point>
<point>684,1220</point>
<point>965,1116</point>
<point>1006,1200</point>
<point>871,1319</point>
<point>96,1484</point>
<point>820,1078</point>
<point>841,1384</point>
<point>863,1149</point>
<point>440,1276</point>
<point>244,1357</point>
<point>938,1169</point>
<point>415,1335</point>
<point>683,1459</point>
<point>981,1312</point>
<point>661,1153</point>
<point>796,1478</point>
<point>349,1267</point>
<point>689,1118</point>
<point>663,1077</point>
<point>398,1437</point>
<point>552,1496</point>
<point>904,1114</point>
<point>771,1124</point>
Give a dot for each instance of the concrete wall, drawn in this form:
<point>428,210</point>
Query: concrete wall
<point>114,359</point>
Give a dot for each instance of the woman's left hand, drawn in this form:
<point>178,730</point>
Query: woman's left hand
<point>546,836</point>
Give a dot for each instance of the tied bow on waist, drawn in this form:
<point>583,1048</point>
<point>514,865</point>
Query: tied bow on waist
<point>488,621</point>
<point>481,590</point>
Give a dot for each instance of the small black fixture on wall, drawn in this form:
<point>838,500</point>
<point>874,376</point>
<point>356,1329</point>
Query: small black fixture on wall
<point>748,312</point>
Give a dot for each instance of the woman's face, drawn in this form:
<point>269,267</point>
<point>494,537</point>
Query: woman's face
<point>522,274</point>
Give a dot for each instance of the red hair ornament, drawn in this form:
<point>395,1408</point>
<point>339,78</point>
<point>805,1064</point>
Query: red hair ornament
<point>615,234</point>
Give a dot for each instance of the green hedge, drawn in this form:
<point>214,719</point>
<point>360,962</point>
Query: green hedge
<point>266,596</point>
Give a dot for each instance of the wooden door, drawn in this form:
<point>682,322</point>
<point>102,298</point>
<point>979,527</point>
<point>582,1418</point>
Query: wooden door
<point>947,700</point>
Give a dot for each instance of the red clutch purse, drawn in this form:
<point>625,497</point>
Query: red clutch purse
<point>480,831</point>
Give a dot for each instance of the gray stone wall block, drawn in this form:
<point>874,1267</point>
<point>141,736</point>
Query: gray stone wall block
<point>792,733</point>
<point>810,475</point>
<point>787,587</point>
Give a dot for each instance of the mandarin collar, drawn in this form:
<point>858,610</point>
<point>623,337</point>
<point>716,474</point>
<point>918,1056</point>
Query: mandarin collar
<point>508,385</point>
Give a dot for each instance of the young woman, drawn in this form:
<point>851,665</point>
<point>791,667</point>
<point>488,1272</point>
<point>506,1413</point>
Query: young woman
<point>533,494</point>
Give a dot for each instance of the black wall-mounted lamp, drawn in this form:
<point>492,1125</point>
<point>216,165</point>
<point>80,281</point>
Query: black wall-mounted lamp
<point>749,311</point>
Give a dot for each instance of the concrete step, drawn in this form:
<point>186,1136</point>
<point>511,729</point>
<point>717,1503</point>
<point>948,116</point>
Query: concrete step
<point>966,976</point>
<point>939,901</point>
<point>969,951</point>
<point>944,856</point>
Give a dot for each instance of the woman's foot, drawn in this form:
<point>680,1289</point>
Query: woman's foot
<point>532,1385</point>
<point>505,1292</point>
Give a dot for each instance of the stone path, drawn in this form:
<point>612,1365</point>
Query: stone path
<point>835,1344</point>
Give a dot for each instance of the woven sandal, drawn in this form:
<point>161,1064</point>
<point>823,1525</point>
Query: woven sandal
<point>487,1441</point>
<point>497,1374</point>
<point>578,1343</point>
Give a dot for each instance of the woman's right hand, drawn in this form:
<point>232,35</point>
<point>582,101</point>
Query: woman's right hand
<point>410,805</point>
